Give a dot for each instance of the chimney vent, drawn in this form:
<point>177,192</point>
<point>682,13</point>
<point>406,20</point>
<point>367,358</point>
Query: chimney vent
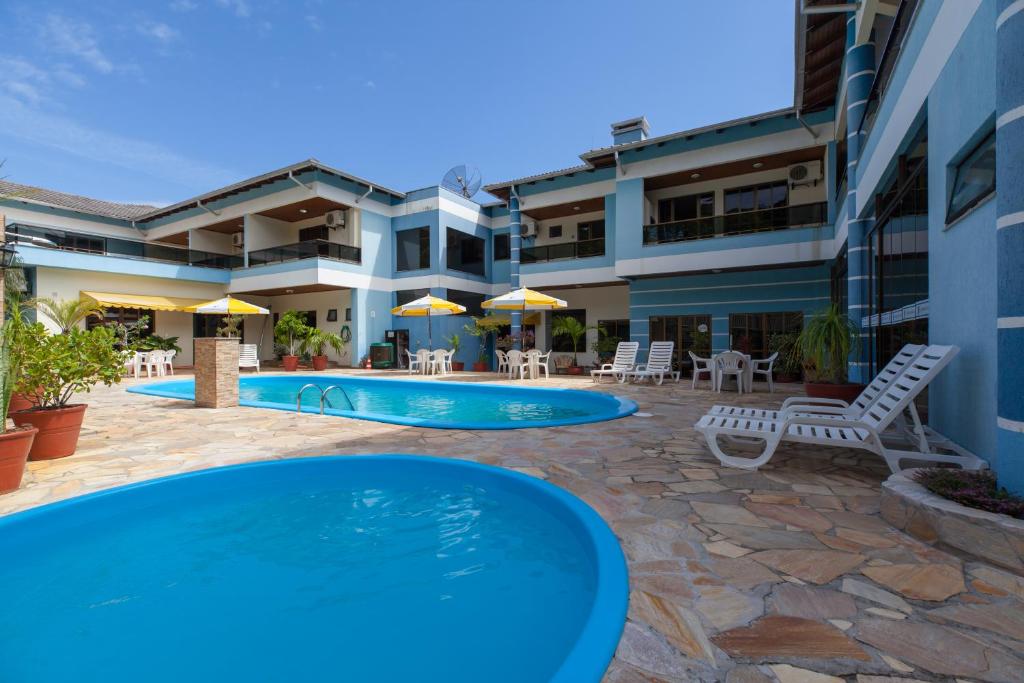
<point>630,130</point>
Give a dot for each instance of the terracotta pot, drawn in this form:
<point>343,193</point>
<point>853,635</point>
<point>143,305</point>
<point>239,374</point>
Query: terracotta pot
<point>18,402</point>
<point>290,363</point>
<point>14,447</point>
<point>319,362</point>
<point>58,430</point>
<point>479,367</point>
<point>574,370</point>
<point>843,392</point>
<point>786,378</point>
<point>457,366</point>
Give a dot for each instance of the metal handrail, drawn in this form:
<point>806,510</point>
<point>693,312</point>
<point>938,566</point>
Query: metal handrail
<point>298,400</point>
<point>323,397</point>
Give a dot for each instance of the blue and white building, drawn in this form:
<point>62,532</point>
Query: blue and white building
<point>876,190</point>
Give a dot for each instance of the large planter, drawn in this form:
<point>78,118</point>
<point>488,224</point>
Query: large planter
<point>319,363</point>
<point>786,378</point>
<point>18,403</point>
<point>843,392</point>
<point>574,370</point>
<point>479,367</point>
<point>58,430</point>
<point>290,363</point>
<point>458,366</point>
<point>14,447</point>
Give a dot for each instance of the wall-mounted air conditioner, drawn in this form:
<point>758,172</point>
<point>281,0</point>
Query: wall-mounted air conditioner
<point>807,173</point>
<point>335,219</point>
<point>528,229</point>
<point>237,239</point>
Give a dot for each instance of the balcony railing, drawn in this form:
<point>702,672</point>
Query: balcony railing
<point>565,250</point>
<point>112,246</point>
<point>305,250</point>
<point>742,223</point>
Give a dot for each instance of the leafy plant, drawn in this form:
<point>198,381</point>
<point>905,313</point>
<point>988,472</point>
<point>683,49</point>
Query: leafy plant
<point>702,342</point>
<point>826,343</point>
<point>155,342</point>
<point>455,342</point>
<point>316,339</point>
<point>568,326</point>
<point>67,313</point>
<point>11,359</point>
<point>57,366</point>
<point>605,345</point>
<point>290,330</point>
<point>973,489</point>
<point>129,335</point>
<point>480,332</point>
<point>787,346</point>
<point>230,326</point>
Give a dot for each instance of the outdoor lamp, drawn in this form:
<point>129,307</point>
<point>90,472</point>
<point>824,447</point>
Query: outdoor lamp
<point>7,255</point>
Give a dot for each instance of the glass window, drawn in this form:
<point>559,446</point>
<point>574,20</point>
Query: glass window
<point>751,333</point>
<point>317,232</point>
<point>404,296</point>
<point>593,230</point>
<point>502,247</point>
<point>412,249</point>
<point>686,208</point>
<point>615,329</point>
<point>563,343</point>
<point>555,231</point>
<point>465,252</point>
<point>756,197</point>
<point>974,179</point>
<point>471,300</point>
<point>688,332</point>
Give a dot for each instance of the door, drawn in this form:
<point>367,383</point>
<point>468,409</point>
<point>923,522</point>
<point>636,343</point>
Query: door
<point>688,332</point>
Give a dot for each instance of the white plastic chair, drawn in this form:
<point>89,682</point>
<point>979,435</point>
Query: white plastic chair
<point>248,356</point>
<point>659,364</point>
<point>424,361</point>
<point>441,361</point>
<point>414,362</point>
<point>701,366</point>
<point>730,364</point>
<point>624,361</point>
<point>502,360</point>
<point>169,361</point>
<point>152,361</point>
<point>133,364</point>
<point>517,363</point>
<point>538,360</point>
<point>763,367</point>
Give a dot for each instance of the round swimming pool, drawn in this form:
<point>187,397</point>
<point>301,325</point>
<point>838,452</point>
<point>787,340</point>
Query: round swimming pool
<point>368,568</point>
<point>445,405</point>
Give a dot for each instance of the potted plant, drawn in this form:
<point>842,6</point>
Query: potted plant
<point>55,367</point>
<point>230,326</point>
<point>456,343</point>
<point>605,346</point>
<point>14,443</point>
<point>314,343</point>
<point>787,365</point>
<point>567,326</point>
<point>289,331</point>
<point>824,346</point>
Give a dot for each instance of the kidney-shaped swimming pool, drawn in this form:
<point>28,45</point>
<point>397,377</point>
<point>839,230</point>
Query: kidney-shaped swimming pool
<point>444,405</point>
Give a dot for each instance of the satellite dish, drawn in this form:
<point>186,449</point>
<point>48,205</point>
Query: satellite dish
<point>463,180</point>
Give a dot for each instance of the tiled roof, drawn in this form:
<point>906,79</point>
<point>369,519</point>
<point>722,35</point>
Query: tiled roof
<point>74,202</point>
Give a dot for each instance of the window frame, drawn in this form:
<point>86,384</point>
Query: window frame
<point>951,215</point>
<point>552,235</point>
<point>462,265</point>
<point>508,246</point>
<point>755,189</point>
<point>422,230</point>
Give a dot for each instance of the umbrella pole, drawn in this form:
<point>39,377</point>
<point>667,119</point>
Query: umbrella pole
<point>430,336</point>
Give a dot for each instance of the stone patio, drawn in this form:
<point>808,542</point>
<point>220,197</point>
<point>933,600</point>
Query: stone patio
<point>787,574</point>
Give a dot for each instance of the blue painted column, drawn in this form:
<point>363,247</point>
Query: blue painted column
<point>860,71</point>
<point>515,240</point>
<point>1010,244</point>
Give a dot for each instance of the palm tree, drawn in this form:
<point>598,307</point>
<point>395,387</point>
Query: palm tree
<point>566,325</point>
<point>67,313</point>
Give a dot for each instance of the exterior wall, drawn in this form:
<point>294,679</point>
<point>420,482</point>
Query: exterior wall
<point>601,303</point>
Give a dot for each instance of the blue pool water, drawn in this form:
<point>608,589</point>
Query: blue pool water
<point>377,568</point>
<point>424,404</point>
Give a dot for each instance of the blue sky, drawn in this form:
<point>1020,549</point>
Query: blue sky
<point>159,101</point>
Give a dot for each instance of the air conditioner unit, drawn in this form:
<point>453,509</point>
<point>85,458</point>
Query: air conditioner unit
<point>528,230</point>
<point>335,219</point>
<point>808,173</point>
<point>237,239</point>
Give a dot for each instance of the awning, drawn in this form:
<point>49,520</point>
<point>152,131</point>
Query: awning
<point>529,318</point>
<point>144,301</point>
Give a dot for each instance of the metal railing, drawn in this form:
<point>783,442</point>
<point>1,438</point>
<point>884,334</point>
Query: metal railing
<point>564,250</point>
<point>82,243</point>
<point>741,223</point>
<point>306,250</point>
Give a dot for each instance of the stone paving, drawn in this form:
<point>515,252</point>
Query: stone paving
<point>787,574</point>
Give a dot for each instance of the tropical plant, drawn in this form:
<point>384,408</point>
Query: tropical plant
<point>826,343</point>
<point>129,335</point>
<point>702,341</point>
<point>786,344</point>
<point>455,342</point>
<point>230,326</point>
<point>155,342</point>
<point>14,285</point>
<point>11,358</point>
<point>568,326</point>
<point>290,330</point>
<point>605,345</point>
<point>67,313</point>
<point>316,339</point>
<point>57,366</point>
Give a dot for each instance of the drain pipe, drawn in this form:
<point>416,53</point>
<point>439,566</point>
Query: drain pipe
<point>803,123</point>
<point>206,208</point>
<point>368,192</point>
<point>291,177</point>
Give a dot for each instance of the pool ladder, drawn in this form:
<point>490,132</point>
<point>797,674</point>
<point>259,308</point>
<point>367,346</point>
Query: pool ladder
<point>323,397</point>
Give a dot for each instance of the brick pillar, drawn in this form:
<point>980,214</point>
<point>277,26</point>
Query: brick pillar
<point>216,370</point>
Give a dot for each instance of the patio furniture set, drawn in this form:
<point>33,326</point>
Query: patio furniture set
<point>426,362</point>
<point>659,365</point>
<point>159,363</point>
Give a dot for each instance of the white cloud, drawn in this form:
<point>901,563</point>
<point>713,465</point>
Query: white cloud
<point>239,7</point>
<point>22,79</point>
<point>75,38</point>
<point>314,22</point>
<point>369,84</point>
<point>183,5</point>
<point>30,125</point>
<point>158,31</point>
<point>68,76</point>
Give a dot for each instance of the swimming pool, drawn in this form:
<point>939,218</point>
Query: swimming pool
<point>361,568</point>
<point>445,405</point>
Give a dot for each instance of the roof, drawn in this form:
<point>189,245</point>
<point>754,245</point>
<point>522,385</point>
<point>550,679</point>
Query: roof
<point>820,49</point>
<point>73,202</point>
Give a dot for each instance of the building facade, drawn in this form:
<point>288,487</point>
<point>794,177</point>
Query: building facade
<point>875,191</point>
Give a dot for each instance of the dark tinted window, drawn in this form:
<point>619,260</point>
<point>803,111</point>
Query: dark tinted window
<point>465,252</point>
<point>470,300</point>
<point>404,296</point>
<point>975,178</point>
<point>412,249</point>
<point>555,231</point>
<point>502,247</point>
<point>763,196</point>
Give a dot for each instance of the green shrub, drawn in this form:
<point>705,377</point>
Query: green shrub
<point>290,330</point>
<point>973,489</point>
<point>55,367</point>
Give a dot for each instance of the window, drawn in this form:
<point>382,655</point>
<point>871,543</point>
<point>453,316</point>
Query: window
<point>465,252</point>
<point>592,230</point>
<point>413,249</point>
<point>502,247</point>
<point>555,231</point>
<point>123,316</point>
<point>614,329</point>
<point>404,296</point>
<point>751,333</point>
<point>318,232</point>
<point>563,343</point>
<point>471,300</point>
<point>686,207</point>
<point>757,197</point>
<point>974,179</point>
<point>689,332</point>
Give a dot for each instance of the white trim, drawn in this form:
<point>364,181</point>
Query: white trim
<point>790,253</point>
<point>860,73</point>
<point>1010,322</point>
<point>1009,220</point>
<point>851,250</point>
<point>858,103</point>
<point>736,303</point>
<point>1010,425</point>
<point>1011,9</point>
<point>1010,116</point>
<point>560,278</point>
<point>751,284</point>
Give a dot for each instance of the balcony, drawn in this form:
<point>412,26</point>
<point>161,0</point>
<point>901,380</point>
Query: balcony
<point>306,250</point>
<point>741,223</point>
<point>81,243</point>
<point>565,250</point>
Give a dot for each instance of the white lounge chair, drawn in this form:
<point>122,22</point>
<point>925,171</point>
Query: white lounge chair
<point>842,431</point>
<point>248,356</point>
<point>701,366</point>
<point>659,364</point>
<point>624,361</point>
<point>764,367</point>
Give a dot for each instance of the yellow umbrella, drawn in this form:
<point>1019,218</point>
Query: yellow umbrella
<point>427,307</point>
<point>524,299</point>
<point>227,306</point>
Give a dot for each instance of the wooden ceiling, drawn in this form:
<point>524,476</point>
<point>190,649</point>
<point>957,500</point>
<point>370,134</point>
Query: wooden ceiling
<point>297,289</point>
<point>227,227</point>
<point>562,210</point>
<point>824,49</point>
<point>735,168</point>
<point>181,239</point>
<point>300,211</point>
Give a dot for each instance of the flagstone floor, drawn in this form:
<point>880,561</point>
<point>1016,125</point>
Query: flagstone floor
<point>787,574</point>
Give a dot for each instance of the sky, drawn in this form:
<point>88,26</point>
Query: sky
<point>155,102</point>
